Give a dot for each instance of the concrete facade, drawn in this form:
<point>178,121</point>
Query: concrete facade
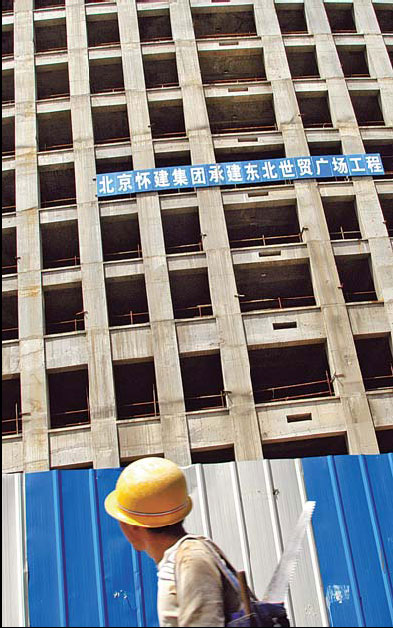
<point>352,409</point>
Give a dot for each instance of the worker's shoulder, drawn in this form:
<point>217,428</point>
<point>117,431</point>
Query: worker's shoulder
<point>194,547</point>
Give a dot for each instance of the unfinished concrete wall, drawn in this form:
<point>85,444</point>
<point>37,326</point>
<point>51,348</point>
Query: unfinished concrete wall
<point>243,262</point>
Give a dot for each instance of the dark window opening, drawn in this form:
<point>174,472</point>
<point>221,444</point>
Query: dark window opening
<point>57,186</point>
<point>124,164</point>
<point>386,152</point>
<point>249,114</point>
<point>190,294</point>
<point>8,251</point>
<point>155,27</point>
<point>213,455</point>
<point>54,131</point>
<point>262,226</point>
<point>202,382</point>
<point>376,362</point>
<point>287,373</point>
<point>341,19</point>
<point>387,210</point>
<point>102,30</point>
<point>69,398</point>
<point>52,83</point>
<point>127,301</point>
<point>8,137</point>
<point>7,42</point>
<point>325,148</point>
<point>64,309</point>
<point>106,76</point>
<point>220,67</point>
<point>341,218</point>
<point>11,418</point>
<point>314,111</point>
<point>9,317</point>
<point>116,131</point>
<point>322,446</point>
<point>276,286</point>
<point>50,37</point>
<point>136,390</point>
<point>7,87</point>
<point>120,238</point>
<point>182,232</point>
<point>160,71</point>
<point>385,440</point>
<point>385,19</point>
<point>353,62</point>
<point>8,191</point>
<point>302,64</point>
<point>175,158</point>
<point>367,109</point>
<point>167,120</point>
<point>44,4</point>
<point>356,278</point>
<point>60,244</point>
<point>7,6</point>
<point>292,19</point>
<point>239,154</point>
<point>223,23</point>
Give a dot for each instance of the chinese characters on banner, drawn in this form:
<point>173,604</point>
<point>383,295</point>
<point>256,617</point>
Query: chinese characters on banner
<point>238,172</point>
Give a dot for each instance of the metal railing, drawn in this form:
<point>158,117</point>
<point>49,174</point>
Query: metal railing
<point>353,297</point>
<point>266,240</point>
<point>377,379</point>
<point>8,209</point>
<point>132,254</point>
<point>355,234</point>
<point>276,302</point>
<point>55,263</point>
<point>48,147</point>
<point>74,324</point>
<point>192,248</point>
<point>9,333</point>
<point>215,81</point>
<point>217,130</point>
<point>224,35</point>
<point>199,401</point>
<point>66,418</point>
<point>59,201</point>
<point>6,269</point>
<point>133,317</point>
<point>153,405</point>
<point>16,421</point>
<point>322,388</point>
<point>200,310</point>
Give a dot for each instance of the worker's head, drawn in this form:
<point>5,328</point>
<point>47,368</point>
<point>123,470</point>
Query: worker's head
<point>150,495</point>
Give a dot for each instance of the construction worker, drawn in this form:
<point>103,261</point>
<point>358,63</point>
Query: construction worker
<point>195,586</point>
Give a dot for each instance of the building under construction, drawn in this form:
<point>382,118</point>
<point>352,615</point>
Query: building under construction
<point>233,322</point>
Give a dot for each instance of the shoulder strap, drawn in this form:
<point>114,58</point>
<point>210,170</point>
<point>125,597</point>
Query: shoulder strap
<point>222,562</point>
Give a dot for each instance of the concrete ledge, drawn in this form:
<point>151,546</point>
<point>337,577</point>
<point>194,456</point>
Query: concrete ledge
<point>66,350</point>
<point>327,419</point>
<point>10,357</point>
<point>12,449</point>
<point>381,406</point>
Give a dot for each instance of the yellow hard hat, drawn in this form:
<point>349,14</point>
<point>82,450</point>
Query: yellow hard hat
<point>151,492</point>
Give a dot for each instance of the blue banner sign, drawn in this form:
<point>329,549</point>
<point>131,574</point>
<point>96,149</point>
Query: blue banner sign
<point>238,172</point>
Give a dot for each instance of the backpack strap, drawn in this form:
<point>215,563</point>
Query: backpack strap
<point>224,565</point>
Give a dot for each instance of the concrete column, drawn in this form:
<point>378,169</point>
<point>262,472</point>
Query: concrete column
<point>377,54</point>
<point>101,384</point>
<point>175,436</point>
<point>343,117</point>
<point>340,344</point>
<point>233,346</point>
<point>34,395</point>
